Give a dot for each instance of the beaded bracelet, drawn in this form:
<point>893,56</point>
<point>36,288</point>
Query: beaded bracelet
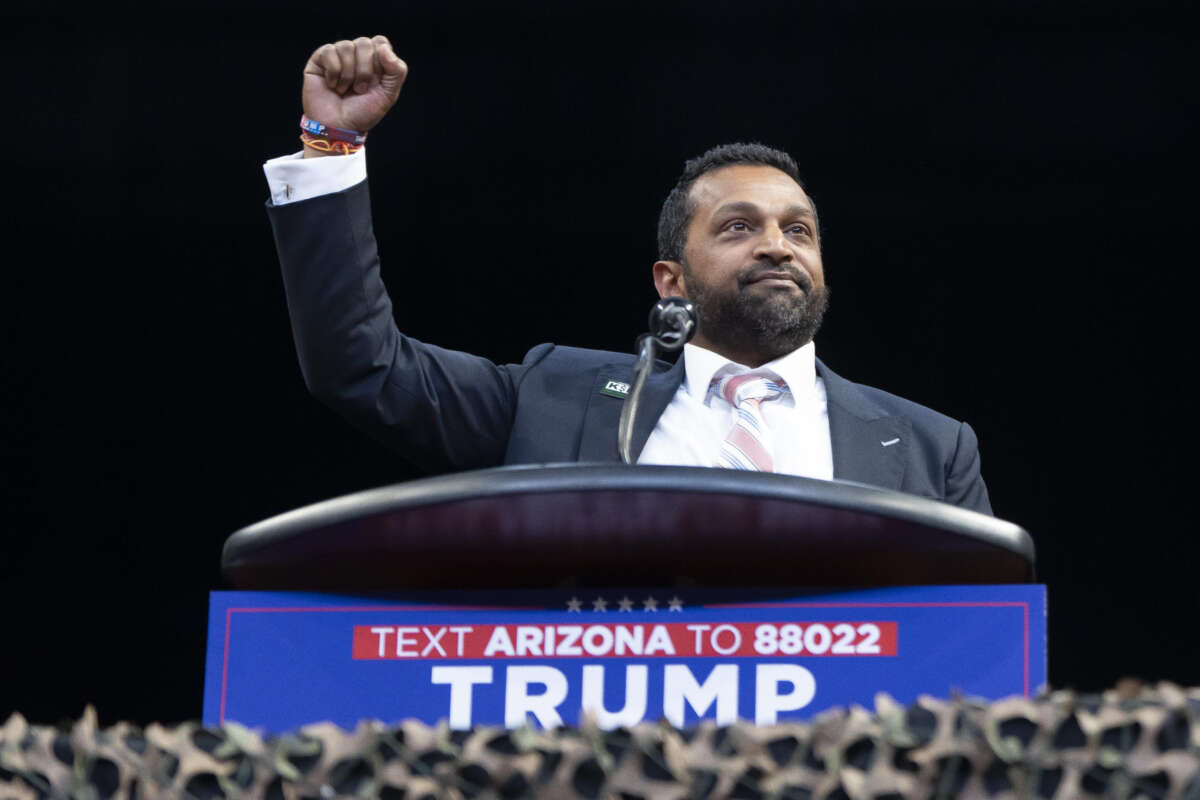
<point>326,146</point>
<point>329,132</point>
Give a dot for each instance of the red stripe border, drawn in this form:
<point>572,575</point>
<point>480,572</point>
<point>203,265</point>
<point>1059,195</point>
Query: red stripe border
<point>1024,606</point>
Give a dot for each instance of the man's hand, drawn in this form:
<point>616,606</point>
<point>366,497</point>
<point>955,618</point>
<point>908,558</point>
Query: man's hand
<point>352,84</point>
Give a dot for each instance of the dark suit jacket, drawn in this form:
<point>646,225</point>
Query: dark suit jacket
<point>446,410</point>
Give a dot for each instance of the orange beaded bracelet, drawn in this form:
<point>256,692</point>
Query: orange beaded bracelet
<point>327,146</point>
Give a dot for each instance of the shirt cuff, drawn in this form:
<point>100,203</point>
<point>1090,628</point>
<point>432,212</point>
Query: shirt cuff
<point>294,178</point>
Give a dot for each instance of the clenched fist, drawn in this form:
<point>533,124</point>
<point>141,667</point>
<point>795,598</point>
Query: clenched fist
<point>352,84</point>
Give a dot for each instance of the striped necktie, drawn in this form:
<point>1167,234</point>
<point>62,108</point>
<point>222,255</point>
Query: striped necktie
<point>748,444</point>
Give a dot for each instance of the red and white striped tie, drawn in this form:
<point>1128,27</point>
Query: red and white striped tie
<point>748,445</point>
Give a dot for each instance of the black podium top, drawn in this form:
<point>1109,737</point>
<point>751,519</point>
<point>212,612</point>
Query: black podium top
<point>615,525</point>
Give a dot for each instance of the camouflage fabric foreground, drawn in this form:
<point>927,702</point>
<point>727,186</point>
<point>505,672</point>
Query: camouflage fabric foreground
<point>1130,742</point>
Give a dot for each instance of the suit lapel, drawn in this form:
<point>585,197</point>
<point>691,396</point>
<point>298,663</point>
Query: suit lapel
<point>599,439</point>
<point>869,445</point>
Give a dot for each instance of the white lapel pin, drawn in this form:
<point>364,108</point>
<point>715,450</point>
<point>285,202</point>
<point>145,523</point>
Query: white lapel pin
<point>890,442</point>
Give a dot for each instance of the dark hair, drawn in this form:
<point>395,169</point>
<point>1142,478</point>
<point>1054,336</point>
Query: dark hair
<point>678,208</point>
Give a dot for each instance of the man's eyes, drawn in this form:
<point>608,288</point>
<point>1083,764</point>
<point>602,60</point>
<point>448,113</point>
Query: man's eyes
<point>741,226</point>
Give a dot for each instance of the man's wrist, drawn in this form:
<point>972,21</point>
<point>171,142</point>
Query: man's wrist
<point>320,139</point>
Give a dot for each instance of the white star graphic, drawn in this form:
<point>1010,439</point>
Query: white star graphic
<point>625,604</point>
<point>675,603</point>
<point>599,604</point>
<point>650,604</point>
<point>574,604</point>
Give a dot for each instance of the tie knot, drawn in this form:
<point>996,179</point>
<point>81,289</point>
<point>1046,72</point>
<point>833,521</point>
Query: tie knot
<point>737,389</point>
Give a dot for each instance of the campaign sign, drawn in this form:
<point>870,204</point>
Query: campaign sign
<point>279,660</point>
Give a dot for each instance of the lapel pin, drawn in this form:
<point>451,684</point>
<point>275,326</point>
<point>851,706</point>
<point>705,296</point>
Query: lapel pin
<point>616,389</point>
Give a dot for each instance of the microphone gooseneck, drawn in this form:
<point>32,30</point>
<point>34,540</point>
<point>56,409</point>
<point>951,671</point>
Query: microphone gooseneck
<point>673,322</point>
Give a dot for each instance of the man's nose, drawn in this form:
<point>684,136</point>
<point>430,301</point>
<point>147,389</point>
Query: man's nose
<point>773,246</point>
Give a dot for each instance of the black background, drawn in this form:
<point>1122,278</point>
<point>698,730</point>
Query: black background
<point>1008,229</point>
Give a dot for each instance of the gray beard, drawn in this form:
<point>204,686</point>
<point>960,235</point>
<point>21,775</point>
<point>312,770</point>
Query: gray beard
<point>771,326</point>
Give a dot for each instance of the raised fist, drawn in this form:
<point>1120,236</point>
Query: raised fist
<point>352,84</point>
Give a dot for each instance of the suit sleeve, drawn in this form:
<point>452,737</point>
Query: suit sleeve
<point>964,483</point>
<point>440,409</point>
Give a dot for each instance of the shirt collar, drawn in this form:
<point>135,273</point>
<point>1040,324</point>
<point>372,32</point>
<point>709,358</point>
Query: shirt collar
<point>798,369</point>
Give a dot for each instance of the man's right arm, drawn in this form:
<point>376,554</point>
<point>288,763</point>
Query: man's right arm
<point>441,409</point>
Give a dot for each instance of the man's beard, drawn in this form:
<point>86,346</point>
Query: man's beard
<point>769,324</point>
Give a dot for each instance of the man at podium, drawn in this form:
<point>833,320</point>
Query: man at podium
<point>738,236</point>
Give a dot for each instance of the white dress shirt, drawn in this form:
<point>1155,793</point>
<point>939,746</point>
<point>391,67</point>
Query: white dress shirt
<point>697,420</point>
<point>293,178</point>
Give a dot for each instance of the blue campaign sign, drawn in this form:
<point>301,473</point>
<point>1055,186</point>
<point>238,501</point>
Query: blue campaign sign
<point>278,660</point>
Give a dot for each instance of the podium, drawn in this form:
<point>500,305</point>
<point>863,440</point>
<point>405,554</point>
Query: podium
<point>535,593</point>
<point>592,524</point>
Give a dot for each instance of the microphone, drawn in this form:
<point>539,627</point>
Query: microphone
<point>673,322</point>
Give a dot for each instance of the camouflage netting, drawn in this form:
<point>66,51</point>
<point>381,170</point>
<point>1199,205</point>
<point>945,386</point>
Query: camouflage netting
<point>1129,742</point>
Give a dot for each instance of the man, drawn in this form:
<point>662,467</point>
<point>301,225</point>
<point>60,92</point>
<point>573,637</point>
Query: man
<point>738,236</point>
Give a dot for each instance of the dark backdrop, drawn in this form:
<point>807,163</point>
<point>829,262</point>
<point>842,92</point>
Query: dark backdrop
<point>1007,234</point>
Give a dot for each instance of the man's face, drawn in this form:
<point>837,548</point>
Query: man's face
<point>752,264</point>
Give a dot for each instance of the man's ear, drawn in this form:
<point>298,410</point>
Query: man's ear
<point>668,279</point>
